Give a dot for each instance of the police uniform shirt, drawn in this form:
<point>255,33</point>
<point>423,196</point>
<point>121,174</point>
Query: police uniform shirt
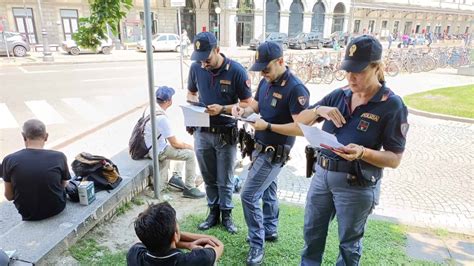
<point>277,102</point>
<point>223,86</point>
<point>382,122</point>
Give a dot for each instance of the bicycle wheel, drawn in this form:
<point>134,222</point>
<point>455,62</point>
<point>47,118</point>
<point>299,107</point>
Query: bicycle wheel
<point>328,76</point>
<point>392,69</point>
<point>340,75</point>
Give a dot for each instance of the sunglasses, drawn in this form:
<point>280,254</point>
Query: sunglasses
<point>267,69</point>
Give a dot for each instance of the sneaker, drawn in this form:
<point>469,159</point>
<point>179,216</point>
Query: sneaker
<point>193,193</point>
<point>176,182</point>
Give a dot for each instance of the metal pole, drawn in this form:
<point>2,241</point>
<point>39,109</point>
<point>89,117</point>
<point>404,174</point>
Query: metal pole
<point>6,43</point>
<point>47,56</point>
<point>180,47</point>
<point>264,18</point>
<point>151,96</point>
<point>219,29</point>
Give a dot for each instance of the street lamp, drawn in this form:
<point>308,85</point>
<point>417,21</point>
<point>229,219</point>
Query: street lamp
<point>218,12</point>
<point>47,56</point>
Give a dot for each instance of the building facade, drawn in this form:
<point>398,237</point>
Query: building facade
<point>235,22</point>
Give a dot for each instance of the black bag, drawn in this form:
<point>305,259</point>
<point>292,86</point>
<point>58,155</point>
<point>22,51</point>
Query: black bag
<point>72,190</point>
<point>136,145</point>
<point>98,169</point>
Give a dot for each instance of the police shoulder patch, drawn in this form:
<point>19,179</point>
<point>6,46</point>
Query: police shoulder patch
<point>404,129</point>
<point>302,100</point>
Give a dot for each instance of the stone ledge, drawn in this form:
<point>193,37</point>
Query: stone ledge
<point>35,241</point>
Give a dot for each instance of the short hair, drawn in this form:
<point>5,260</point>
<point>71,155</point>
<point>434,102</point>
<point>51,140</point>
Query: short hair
<point>156,226</point>
<point>34,129</point>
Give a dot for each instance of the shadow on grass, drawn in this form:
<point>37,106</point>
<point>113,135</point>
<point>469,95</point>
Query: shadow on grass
<point>384,242</point>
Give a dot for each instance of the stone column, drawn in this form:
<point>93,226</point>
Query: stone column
<point>202,19</point>
<point>307,22</point>
<point>284,21</point>
<point>327,25</point>
<point>258,22</point>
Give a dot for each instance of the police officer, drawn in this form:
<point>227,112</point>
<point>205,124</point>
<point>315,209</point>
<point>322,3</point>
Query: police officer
<point>218,82</point>
<point>365,116</point>
<point>280,97</point>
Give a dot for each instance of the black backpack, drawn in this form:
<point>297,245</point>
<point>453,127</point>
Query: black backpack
<point>136,145</point>
<point>98,169</point>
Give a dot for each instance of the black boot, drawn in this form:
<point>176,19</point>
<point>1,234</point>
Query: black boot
<point>212,219</point>
<point>227,221</point>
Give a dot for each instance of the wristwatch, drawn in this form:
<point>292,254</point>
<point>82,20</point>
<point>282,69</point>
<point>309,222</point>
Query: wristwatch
<point>269,127</point>
<point>315,109</point>
<point>223,110</point>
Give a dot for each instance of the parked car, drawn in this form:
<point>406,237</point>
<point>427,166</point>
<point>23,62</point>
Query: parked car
<point>306,40</point>
<point>281,38</point>
<point>72,48</point>
<point>161,42</point>
<point>338,36</point>
<point>17,44</point>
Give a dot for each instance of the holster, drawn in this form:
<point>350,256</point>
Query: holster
<point>190,130</point>
<point>277,153</point>
<point>231,137</point>
<point>310,159</point>
<point>246,142</point>
<point>365,174</point>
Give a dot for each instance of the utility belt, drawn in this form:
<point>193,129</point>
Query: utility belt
<point>359,173</point>
<point>278,153</point>
<point>228,133</point>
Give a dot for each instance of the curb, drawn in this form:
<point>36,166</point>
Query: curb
<point>440,116</point>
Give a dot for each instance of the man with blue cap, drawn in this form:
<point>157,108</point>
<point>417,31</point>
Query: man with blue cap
<point>280,97</point>
<point>218,83</point>
<point>171,148</point>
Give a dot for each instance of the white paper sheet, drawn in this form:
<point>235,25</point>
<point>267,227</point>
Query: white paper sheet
<point>195,116</point>
<point>316,136</point>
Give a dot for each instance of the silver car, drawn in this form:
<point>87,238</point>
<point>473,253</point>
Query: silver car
<point>72,48</point>
<point>16,43</point>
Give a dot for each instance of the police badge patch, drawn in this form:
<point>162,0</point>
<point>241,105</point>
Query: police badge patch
<point>363,125</point>
<point>302,100</point>
<point>404,129</point>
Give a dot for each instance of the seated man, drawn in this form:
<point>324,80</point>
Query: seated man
<point>170,148</point>
<point>35,178</point>
<point>161,239</point>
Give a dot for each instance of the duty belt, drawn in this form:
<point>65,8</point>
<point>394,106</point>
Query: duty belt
<point>334,165</point>
<point>278,153</point>
<point>264,148</point>
<point>217,129</point>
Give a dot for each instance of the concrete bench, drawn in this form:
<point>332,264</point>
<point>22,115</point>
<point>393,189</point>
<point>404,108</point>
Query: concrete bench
<point>34,241</point>
<point>39,47</point>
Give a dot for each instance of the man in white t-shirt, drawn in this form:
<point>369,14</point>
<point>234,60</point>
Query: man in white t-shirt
<point>170,148</point>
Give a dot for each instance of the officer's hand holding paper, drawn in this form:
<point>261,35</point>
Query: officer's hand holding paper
<point>319,138</point>
<point>195,116</point>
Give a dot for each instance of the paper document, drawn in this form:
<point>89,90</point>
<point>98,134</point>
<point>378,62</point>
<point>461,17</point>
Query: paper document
<point>195,116</point>
<point>316,136</point>
<point>251,118</point>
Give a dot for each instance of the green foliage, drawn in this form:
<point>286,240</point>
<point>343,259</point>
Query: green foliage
<point>88,252</point>
<point>137,201</point>
<point>457,101</point>
<point>104,13</point>
<point>384,242</point>
<point>123,208</point>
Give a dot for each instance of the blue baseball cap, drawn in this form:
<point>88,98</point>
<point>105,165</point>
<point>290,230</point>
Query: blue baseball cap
<point>266,52</point>
<point>360,52</point>
<point>204,42</point>
<point>164,93</point>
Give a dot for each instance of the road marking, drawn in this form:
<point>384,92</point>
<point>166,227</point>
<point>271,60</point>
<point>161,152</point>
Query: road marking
<point>23,70</point>
<point>107,79</point>
<point>103,68</point>
<point>84,108</point>
<point>45,112</point>
<point>6,118</point>
<point>37,72</point>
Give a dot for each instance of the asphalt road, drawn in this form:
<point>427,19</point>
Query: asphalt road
<point>73,98</point>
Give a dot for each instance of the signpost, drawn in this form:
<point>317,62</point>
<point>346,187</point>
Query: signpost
<point>179,4</point>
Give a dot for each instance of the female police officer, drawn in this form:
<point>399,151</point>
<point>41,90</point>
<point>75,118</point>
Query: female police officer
<point>365,116</point>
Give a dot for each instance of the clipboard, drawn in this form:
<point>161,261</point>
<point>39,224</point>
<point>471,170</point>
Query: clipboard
<point>238,118</point>
<point>196,103</point>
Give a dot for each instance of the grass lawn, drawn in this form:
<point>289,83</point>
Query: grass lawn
<point>456,101</point>
<point>384,243</point>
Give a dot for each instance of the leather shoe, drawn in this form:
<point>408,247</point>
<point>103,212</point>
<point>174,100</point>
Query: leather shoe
<point>212,219</point>
<point>255,257</point>
<point>268,238</point>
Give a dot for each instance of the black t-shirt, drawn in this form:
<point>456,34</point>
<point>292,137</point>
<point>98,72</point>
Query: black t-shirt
<point>36,176</point>
<point>138,255</point>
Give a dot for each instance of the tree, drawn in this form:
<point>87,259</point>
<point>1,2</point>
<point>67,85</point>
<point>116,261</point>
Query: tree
<point>104,13</point>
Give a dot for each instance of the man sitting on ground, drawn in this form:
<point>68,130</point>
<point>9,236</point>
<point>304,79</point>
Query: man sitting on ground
<point>34,177</point>
<point>161,239</point>
<point>170,148</point>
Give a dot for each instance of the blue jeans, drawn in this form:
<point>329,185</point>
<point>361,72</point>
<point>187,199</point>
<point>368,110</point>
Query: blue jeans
<point>216,160</point>
<point>330,195</point>
<point>261,183</point>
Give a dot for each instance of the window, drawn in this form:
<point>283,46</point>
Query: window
<point>384,24</point>
<point>162,38</point>
<point>417,29</point>
<point>69,21</point>
<point>356,26</point>
<point>428,28</point>
<point>25,23</point>
<point>467,30</point>
<point>395,26</point>
<point>447,29</point>
<point>371,26</point>
<point>172,38</point>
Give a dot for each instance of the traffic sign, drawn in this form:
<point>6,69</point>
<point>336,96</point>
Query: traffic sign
<point>178,3</point>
